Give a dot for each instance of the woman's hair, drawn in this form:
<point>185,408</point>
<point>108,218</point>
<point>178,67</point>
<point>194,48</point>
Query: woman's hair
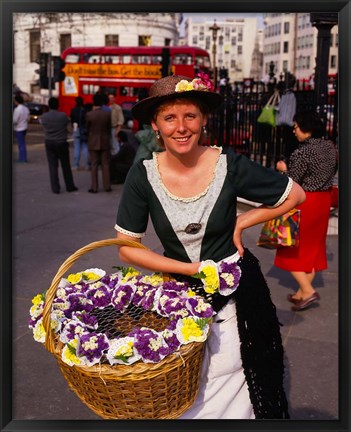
<point>310,122</point>
<point>193,99</point>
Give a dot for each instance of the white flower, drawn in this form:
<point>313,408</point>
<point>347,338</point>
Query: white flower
<point>39,333</point>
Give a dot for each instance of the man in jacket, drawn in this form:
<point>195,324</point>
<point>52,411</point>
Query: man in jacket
<point>98,122</point>
<point>57,148</point>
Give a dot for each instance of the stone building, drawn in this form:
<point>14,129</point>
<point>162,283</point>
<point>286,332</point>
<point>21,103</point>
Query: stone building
<point>54,32</point>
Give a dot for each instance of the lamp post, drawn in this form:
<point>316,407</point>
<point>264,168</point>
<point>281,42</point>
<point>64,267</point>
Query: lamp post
<point>214,30</point>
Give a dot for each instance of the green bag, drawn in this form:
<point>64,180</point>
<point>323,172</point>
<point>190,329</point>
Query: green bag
<point>268,113</point>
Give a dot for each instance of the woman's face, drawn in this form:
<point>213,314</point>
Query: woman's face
<point>180,124</point>
<point>301,136</point>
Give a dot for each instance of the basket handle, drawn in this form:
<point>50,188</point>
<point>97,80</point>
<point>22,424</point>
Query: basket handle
<point>51,292</point>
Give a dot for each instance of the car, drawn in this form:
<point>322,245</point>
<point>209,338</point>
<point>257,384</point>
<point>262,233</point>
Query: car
<point>36,110</point>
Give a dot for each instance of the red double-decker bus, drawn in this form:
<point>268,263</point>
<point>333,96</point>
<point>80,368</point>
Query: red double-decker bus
<point>127,71</point>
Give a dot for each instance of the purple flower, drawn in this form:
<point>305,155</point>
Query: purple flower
<point>79,302</point>
<point>71,329</point>
<point>89,321</point>
<point>150,345</point>
<point>92,346</point>
<point>121,297</point>
<point>100,296</point>
<point>175,286</point>
<point>140,293</point>
<point>199,307</point>
<point>171,339</point>
<point>229,277</point>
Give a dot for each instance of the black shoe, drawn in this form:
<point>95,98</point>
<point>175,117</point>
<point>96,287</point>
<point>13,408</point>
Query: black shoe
<point>72,190</point>
<point>108,190</point>
<point>92,191</point>
<point>56,192</point>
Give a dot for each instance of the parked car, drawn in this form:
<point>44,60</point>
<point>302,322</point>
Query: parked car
<point>36,110</point>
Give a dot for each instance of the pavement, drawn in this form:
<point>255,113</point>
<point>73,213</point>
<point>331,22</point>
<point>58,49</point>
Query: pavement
<point>48,228</point>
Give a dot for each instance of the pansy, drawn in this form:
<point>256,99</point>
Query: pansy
<point>229,276</point>
<point>71,329</point>
<point>150,345</point>
<point>74,278</point>
<point>91,347</point>
<point>171,339</point>
<point>198,307</point>
<point>122,351</point>
<point>208,273</point>
<point>79,301</point>
<point>87,319</point>
<point>92,275</point>
<point>39,333</point>
<point>122,296</point>
<point>100,295</point>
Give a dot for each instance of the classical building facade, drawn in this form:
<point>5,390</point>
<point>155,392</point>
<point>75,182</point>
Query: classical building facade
<point>234,44</point>
<point>54,32</point>
<point>290,42</point>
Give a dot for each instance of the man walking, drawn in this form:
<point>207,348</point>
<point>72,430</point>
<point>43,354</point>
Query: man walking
<point>20,126</point>
<point>79,135</point>
<point>98,122</point>
<point>56,146</point>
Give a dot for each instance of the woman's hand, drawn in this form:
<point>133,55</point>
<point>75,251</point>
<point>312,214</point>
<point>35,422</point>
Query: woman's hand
<point>281,166</point>
<point>237,236</point>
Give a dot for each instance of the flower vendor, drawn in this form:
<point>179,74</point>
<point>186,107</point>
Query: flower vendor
<point>190,192</point>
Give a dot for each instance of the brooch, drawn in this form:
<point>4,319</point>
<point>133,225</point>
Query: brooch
<point>193,228</point>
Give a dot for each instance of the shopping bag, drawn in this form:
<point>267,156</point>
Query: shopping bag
<point>282,231</point>
<point>286,109</point>
<point>268,113</point>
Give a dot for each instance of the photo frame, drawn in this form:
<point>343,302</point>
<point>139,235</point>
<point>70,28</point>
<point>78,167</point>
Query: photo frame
<point>8,423</point>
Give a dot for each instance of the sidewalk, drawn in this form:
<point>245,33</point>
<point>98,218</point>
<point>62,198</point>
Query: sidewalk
<point>48,228</point>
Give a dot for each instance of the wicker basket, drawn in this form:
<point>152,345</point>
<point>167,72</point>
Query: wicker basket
<point>161,390</point>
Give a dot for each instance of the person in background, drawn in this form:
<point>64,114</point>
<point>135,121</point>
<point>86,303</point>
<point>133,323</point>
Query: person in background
<point>123,160</point>
<point>21,116</point>
<point>189,191</point>
<point>57,148</point>
<point>98,122</point>
<point>80,137</point>
<point>117,121</point>
<point>313,166</point>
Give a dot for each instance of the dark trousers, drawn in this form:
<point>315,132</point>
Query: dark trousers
<point>100,157</point>
<point>21,140</point>
<point>55,152</point>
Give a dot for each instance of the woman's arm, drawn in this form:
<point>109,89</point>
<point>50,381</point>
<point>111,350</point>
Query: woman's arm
<point>153,261</point>
<point>262,214</point>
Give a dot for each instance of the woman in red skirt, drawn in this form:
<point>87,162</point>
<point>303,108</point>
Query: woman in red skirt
<point>312,165</point>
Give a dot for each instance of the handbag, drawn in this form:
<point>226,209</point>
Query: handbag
<point>268,113</point>
<point>282,231</point>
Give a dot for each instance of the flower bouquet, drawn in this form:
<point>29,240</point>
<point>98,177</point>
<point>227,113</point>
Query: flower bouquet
<point>122,336</point>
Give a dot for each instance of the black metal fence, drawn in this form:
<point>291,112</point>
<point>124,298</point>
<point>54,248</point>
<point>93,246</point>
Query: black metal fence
<point>235,123</point>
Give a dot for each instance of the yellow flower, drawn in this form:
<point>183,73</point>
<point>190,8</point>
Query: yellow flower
<point>211,280</point>
<point>190,329</point>
<point>125,350</point>
<point>74,278</point>
<point>154,279</point>
<point>39,333</point>
<point>68,355</point>
<point>191,293</point>
<point>37,299</point>
<point>90,276</point>
<point>183,86</point>
<point>132,272</point>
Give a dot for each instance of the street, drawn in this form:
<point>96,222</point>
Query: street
<point>48,228</point>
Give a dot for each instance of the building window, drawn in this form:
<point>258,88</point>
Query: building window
<point>65,41</point>
<point>234,40</point>
<point>285,66</point>
<point>220,40</point>
<point>286,47</point>
<point>195,40</point>
<point>333,61</point>
<point>331,39</point>
<point>240,49</point>
<point>167,41</point>
<point>111,40</point>
<point>34,41</point>
<point>286,27</point>
<point>240,37</point>
<point>208,42</point>
<point>144,40</point>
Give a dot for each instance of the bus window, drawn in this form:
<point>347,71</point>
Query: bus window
<point>111,59</point>
<point>156,59</point>
<point>95,59</point>
<point>202,62</point>
<point>182,59</point>
<point>89,89</point>
<point>126,58</point>
<point>72,58</point>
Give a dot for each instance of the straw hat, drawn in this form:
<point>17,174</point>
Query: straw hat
<point>175,87</point>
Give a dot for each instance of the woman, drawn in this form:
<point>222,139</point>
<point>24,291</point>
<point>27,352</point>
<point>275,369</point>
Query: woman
<point>190,192</point>
<point>313,166</point>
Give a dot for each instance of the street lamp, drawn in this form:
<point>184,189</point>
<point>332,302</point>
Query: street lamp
<point>214,30</point>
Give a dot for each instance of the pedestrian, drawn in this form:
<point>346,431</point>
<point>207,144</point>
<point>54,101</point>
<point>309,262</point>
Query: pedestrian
<point>21,116</point>
<point>117,120</point>
<point>98,122</point>
<point>55,125</point>
<point>79,135</point>
<point>313,166</point>
<point>123,160</point>
<point>189,191</point>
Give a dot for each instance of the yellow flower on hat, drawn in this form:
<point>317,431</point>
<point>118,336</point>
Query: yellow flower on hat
<point>183,86</point>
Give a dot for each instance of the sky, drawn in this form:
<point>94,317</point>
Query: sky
<point>219,16</point>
